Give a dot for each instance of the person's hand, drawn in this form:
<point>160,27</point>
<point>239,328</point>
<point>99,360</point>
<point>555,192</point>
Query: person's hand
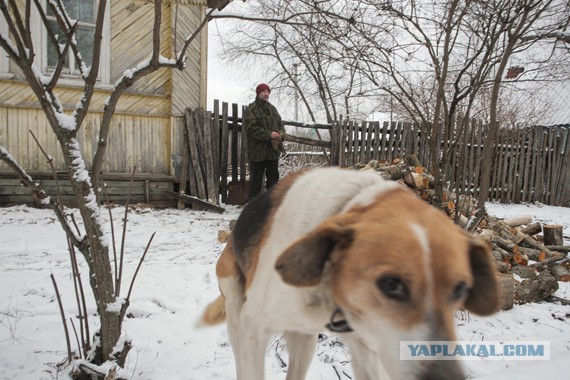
<point>275,135</point>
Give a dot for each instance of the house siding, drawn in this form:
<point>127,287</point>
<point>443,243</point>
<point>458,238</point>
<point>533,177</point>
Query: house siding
<point>146,129</point>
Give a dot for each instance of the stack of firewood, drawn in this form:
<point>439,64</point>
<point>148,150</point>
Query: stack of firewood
<point>530,257</point>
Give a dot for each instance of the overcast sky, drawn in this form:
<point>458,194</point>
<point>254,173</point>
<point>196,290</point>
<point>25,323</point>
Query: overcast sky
<point>236,84</point>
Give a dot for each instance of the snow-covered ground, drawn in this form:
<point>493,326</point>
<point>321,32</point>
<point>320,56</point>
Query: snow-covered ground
<point>178,280</point>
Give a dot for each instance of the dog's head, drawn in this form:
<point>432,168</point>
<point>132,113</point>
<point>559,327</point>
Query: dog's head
<point>399,270</point>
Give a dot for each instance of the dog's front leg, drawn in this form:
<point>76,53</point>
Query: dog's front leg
<point>253,339</point>
<point>365,365</point>
<point>301,349</point>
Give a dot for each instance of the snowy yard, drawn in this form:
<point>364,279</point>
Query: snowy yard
<point>178,280</point>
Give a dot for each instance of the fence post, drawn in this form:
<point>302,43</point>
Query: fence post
<point>564,198</point>
<point>335,145</point>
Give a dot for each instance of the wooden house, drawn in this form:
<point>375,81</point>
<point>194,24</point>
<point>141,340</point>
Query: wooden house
<point>146,128</point>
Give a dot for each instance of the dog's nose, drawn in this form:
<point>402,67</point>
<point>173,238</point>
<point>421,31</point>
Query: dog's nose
<point>443,370</point>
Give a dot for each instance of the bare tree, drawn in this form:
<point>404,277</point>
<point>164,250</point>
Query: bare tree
<point>439,63</point>
<point>443,56</point>
<point>111,303</point>
<point>290,46</point>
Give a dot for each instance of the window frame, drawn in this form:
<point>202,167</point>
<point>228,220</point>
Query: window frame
<point>4,58</point>
<point>39,35</point>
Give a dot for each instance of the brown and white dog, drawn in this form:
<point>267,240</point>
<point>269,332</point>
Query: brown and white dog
<point>329,244</point>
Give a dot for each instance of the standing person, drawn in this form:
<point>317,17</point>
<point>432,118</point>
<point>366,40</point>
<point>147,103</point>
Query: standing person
<point>265,134</point>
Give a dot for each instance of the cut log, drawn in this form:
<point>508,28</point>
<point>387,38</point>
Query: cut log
<point>505,255</point>
<point>532,229</point>
<point>533,254</point>
<point>196,202</point>
<point>557,256</point>
<point>519,259</point>
<point>530,242</point>
<point>559,248</point>
<point>560,272</point>
<point>518,221</point>
<point>535,290</point>
<point>505,244</point>
<point>506,232</point>
<point>507,286</point>
<point>502,266</point>
<point>552,235</point>
<point>524,272</point>
<point>486,235</point>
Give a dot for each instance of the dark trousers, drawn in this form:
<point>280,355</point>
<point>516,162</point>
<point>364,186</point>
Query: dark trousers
<point>271,170</point>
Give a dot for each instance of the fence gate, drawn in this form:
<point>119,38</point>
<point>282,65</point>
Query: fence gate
<point>214,156</point>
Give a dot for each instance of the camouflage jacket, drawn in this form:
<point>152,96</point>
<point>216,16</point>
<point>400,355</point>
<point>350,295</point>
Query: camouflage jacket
<point>260,119</point>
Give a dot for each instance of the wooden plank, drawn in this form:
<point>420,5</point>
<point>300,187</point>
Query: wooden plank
<point>384,142</point>
<point>199,120</point>
<point>464,179</point>
<point>527,144</point>
<point>348,132</point>
<point>404,145</point>
<point>541,167</point>
<point>375,140</point>
<point>549,165</point>
<point>535,164</point>
<point>558,173</point>
<point>478,158</point>
<point>348,142</point>
<point>369,148</point>
<point>216,133</point>
<point>335,145</point>
<point>512,168</point>
<point>234,144</point>
<point>196,202</point>
<point>563,197</point>
<point>520,139</point>
<point>243,150</point>
<point>506,153</point>
<point>208,157</point>
<point>193,137</point>
<point>224,152</point>
<point>185,165</point>
<point>355,141</point>
<point>362,143</point>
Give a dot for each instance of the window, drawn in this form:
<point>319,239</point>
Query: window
<point>84,11</point>
<point>4,60</point>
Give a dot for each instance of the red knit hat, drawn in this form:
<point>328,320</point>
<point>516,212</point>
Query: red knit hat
<point>262,87</point>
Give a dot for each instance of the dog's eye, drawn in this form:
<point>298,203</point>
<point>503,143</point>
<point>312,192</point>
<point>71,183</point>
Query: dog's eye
<point>460,291</point>
<point>393,287</point>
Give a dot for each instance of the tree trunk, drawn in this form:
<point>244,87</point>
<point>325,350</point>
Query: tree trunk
<point>552,235</point>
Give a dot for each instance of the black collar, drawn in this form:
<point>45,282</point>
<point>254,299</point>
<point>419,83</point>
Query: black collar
<point>338,325</point>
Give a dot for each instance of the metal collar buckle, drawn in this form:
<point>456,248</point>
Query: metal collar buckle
<point>338,326</point>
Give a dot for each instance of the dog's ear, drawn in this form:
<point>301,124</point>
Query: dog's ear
<point>302,263</point>
<point>484,297</point>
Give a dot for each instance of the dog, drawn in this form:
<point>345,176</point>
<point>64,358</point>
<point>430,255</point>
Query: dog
<point>350,252</point>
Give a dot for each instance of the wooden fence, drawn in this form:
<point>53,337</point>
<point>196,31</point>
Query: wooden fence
<point>528,165</point>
